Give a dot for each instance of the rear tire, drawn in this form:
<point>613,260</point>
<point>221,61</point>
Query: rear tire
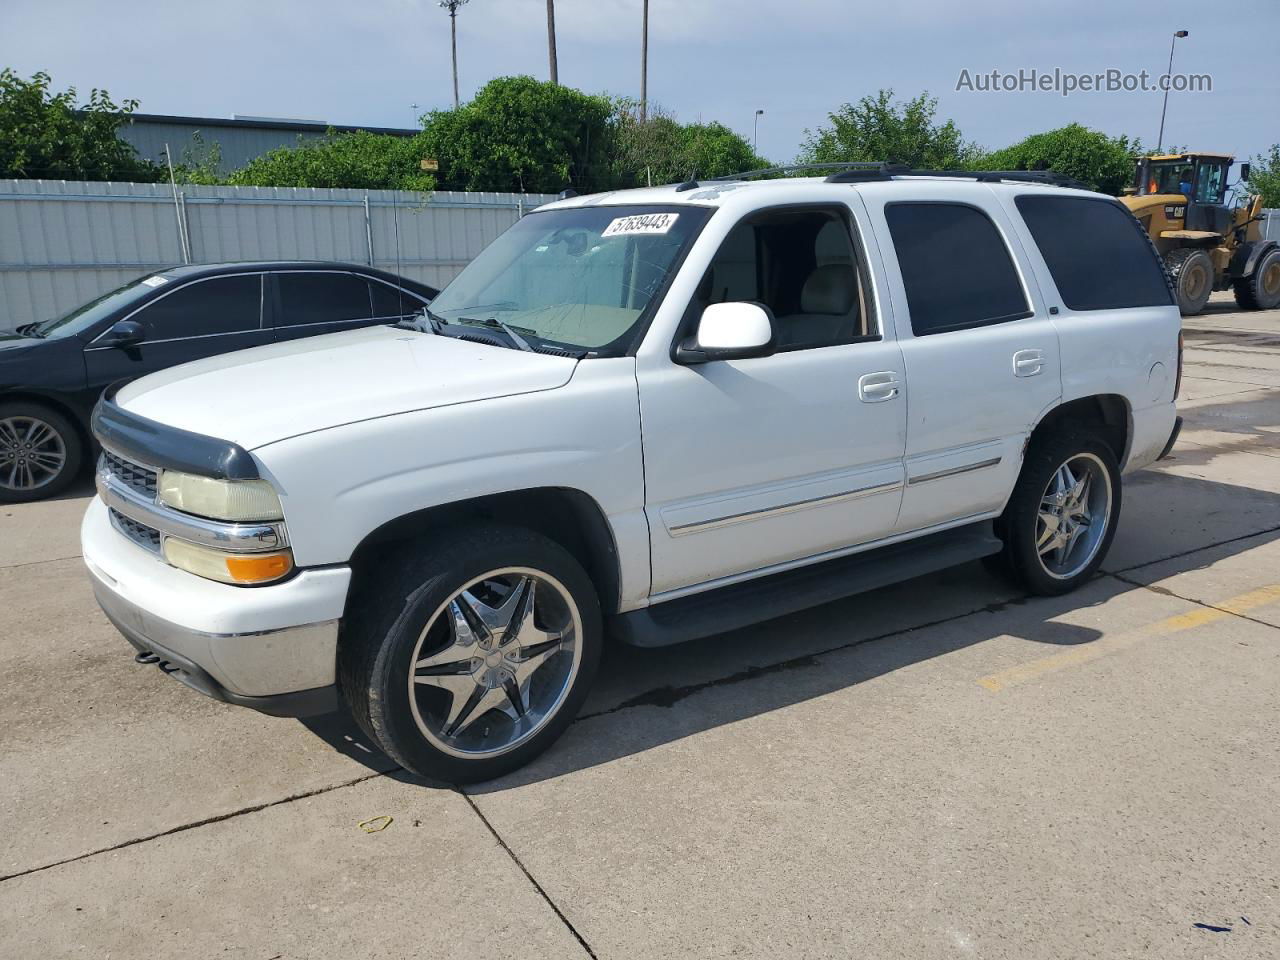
<point>1191,271</point>
<point>467,656</point>
<point>1062,515</point>
<point>1260,290</point>
<point>40,452</point>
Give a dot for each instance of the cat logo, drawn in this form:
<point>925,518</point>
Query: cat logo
<point>1175,211</point>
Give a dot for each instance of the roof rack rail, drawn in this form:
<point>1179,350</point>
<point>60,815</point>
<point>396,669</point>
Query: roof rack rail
<point>791,168</point>
<point>861,171</point>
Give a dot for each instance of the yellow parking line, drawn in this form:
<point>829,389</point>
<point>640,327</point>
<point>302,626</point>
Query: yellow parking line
<point>995,682</point>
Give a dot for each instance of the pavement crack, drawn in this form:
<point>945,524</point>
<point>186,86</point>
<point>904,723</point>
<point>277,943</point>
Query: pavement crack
<point>230,815</point>
<point>529,876</point>
<point>36,563</point>
<point>1166,592</point>
<point>1187,553</point>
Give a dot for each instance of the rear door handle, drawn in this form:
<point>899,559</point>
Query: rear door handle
<point>1027,363</point>
<point>878,387</point>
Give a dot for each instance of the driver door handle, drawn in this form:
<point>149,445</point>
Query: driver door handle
<point>878,387</point>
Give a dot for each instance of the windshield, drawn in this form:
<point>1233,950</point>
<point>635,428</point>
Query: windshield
<point>582,277</point>
<point>85,316</point>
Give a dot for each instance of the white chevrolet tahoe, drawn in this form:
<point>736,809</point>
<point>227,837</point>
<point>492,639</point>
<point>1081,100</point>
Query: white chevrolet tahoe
<point>657,414</point>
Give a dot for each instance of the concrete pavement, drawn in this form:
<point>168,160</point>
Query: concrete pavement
<point>944,768</point>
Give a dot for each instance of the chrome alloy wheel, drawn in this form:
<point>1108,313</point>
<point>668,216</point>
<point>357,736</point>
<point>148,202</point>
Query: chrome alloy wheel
<point>495,662</point>
<point>1075,512</point>
<point>32,453</point>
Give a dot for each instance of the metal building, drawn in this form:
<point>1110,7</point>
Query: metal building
<point>239,139</point>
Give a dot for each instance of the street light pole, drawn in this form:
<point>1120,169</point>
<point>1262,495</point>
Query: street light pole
<point>551,40</point>
<point>755,132</point>
<point>644,63</point>
<point>1168,79</point>
<point>452,6</point>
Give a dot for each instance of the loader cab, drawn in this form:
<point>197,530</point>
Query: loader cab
<point>1200,178</point>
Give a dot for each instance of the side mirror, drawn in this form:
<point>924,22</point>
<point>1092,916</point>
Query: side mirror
<point>1244,171</point>
<point>730,331</point>
<point>122,334</point>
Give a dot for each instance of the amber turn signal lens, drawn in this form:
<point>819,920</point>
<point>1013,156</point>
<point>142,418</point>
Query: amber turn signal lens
<point>259,567</point>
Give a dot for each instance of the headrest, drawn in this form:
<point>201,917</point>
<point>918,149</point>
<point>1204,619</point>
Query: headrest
<point>831,288</point>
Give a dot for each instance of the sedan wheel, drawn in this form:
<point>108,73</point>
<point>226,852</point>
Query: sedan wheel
<point>39,452</point>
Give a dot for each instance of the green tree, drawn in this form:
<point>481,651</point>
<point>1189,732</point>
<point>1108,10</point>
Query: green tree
<point>520,134</point>
<point>659,149</point>
<point>878,128</point>
<point>46,135</point>
<point>1264,177</point>
<point>353,161</point>
<point>1105,163</point>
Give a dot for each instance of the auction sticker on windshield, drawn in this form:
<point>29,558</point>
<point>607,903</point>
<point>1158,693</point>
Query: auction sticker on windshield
<point>641,223</point>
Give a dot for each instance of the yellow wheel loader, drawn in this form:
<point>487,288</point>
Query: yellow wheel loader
<point>1180,200</point>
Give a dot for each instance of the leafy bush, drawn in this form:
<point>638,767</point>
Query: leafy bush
<point>522,135</point>
<point>659,149</point>
<point>47,136</point>
<point>1264,177</point>
<point>1105,163</point>
<point>876,128</point>
<point>355,161</point>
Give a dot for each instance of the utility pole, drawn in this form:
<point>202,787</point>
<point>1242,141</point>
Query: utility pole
<point>755,133</point>
<point>551,40</point>
<point>644,64</point>
<point>452,6</point>
<point>1168,79</point>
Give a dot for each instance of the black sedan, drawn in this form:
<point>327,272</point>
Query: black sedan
<point>51,373</point>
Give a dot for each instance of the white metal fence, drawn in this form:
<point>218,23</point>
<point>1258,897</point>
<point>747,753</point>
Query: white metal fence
<point>1271,224</point>
<point>63,243</point>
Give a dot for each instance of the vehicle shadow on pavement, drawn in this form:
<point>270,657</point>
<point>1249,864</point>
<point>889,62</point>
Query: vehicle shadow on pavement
<point>646,698</point>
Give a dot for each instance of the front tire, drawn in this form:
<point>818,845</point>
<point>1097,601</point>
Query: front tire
<point>1062,515</point>
<point>1261,289</point>
<point>40,452</point>
<point>466,658</point>
<point>1191,271</point>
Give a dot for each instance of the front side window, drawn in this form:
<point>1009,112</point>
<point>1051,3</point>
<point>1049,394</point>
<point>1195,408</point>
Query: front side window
<point>205,308</point>
<point>955,267</point>
<point>582,277</point>
<point>314,296</point>
<point>1095,252</point>
<point>801,264</point>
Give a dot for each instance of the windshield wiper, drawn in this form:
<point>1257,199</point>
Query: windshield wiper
<point>433,323</point>
<point>506,328</point>
<point>29,330</point>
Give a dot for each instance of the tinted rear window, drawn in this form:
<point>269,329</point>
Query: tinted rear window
<point>955,266</point>
<point>391,302</point>
<point>322,297</point>
<point>1095,253</point>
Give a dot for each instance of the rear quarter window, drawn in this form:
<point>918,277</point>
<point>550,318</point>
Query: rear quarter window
<point>1096,253</point>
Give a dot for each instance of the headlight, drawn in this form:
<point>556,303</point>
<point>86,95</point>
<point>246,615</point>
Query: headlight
<point>236,500</point>
<point>238,568</point>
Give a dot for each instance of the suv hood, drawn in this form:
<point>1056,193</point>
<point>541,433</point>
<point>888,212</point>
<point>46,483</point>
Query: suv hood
<point>258,396</point>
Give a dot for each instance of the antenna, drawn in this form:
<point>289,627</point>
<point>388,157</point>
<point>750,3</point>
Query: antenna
<point>395,219</point>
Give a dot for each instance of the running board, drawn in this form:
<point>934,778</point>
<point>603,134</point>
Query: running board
<point>742,604</point>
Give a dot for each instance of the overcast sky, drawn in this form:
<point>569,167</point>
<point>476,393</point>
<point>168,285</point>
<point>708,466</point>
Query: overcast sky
<point>368,61</point>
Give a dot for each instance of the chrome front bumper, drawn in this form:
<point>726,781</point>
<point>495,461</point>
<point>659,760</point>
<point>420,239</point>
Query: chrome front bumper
<point>160,642</point>
<point>272,647</point>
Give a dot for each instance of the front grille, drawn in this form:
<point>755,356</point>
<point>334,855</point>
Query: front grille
<point>136,477</point>
<point>139,533</point>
